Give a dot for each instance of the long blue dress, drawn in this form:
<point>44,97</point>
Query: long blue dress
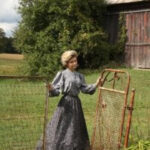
<point>67,129</point>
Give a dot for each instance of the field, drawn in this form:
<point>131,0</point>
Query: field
<point>9,64</point>
<point>31,105</point>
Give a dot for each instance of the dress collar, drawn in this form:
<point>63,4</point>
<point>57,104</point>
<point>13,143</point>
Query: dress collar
<point>70,70</point>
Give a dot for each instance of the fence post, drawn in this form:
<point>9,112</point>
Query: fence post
<point>130,108</point>
<point>45,115</point>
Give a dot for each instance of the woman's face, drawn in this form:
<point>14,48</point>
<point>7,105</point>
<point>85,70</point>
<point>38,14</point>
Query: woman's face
<point>72,63</point>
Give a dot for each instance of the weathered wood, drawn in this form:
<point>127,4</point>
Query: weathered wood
<point>137,16</point>
<point>137,50</point>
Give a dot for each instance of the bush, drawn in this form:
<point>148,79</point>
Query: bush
<point>50,27</point>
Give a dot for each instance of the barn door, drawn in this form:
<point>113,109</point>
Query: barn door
<point>137,51</point>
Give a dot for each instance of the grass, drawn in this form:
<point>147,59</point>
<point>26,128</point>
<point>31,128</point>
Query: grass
<point>10,64</point>
<point>27,106</point>
<point>11,56</point>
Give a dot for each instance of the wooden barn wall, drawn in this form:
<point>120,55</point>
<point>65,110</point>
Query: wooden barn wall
<point>137,49</point>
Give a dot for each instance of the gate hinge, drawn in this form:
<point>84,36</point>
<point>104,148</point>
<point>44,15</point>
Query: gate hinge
<point>129,108</point>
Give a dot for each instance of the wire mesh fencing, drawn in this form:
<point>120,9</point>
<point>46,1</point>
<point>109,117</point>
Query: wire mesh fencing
<point>22,112</point>
<point>109,126</point>
<point>110,131</point>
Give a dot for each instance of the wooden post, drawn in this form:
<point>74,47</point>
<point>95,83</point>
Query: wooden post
<point>45,116</point>
<point>130,108</point>
<point>124,110</point>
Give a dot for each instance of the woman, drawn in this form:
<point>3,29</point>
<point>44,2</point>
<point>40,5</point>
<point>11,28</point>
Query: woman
<point>67,128</point>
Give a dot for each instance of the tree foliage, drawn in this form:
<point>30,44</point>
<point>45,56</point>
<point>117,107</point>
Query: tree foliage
<point>6,43</point>
<point>49,27</point>
<point>117,49</point>
<point>2,38</point>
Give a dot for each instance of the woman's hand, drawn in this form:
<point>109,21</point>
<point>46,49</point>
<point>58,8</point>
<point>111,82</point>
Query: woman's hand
<point>98,81</point>
<point>49,86</point>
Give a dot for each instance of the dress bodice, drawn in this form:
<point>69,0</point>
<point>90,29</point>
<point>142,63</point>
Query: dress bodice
<point>71,83</point>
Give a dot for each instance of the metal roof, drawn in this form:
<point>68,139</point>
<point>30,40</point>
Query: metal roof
<point>122,1</point>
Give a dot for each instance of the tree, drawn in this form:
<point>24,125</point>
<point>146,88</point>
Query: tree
<point>6,43</point>
<point>50,27</point>
<point>9,47</point>
<point>2,40</point>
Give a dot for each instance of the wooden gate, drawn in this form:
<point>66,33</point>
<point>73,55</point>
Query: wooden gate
<point>137,50</point>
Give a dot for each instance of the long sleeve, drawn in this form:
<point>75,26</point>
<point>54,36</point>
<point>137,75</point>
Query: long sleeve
<point>57,85</point>
<point>87,88</point>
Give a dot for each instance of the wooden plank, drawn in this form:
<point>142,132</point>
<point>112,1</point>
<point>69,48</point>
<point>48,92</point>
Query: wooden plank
<point>148,27</point>
<point>131,34</point>
<point>137,58</point>
<point>142,27</point>
<point>140,58</point>
<point>136,27</point>
<point>145,24</point>
<point>126,56</point>
<point>138,44</point>
<point>133,28</point>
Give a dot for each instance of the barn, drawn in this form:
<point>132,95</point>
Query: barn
<point>137,18</point>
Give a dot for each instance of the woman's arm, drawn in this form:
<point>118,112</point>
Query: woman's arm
<point>56,86</point>
<point>88,88</point>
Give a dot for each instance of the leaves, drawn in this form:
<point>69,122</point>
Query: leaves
<point>141,145</point>
<point>50,27</point>
<point>6,43</point>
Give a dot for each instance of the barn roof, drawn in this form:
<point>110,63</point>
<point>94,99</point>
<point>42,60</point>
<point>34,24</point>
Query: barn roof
<point>122,1</point>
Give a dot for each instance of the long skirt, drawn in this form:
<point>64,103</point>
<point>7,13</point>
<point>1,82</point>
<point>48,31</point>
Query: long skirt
<point>67,129</point>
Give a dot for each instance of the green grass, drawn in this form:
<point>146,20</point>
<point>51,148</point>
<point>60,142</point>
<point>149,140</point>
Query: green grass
<point>27,105</point>
<point>10,66</point>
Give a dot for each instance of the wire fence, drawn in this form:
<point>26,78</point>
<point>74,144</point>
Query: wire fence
<point>22,112</point>
<point>110,120</point>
